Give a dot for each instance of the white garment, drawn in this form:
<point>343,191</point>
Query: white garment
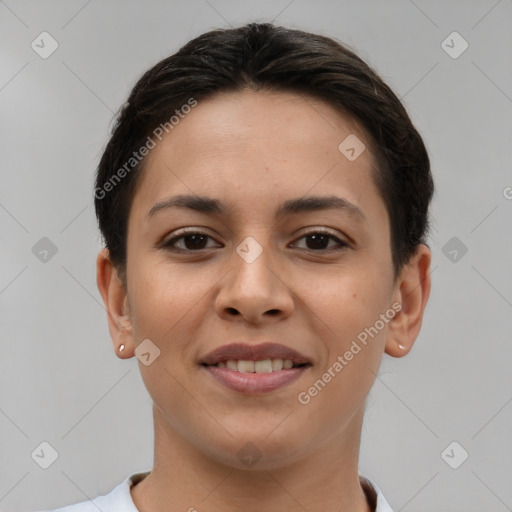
<point>120,499</point>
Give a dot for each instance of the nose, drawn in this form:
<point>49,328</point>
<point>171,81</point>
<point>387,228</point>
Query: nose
<point>254,292</point>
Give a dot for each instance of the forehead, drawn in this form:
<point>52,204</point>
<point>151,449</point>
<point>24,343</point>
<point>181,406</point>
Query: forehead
<point>276,123</point>
<point>258,148</point>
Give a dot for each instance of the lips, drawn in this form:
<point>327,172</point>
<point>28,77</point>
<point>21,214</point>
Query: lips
<point>246,352</point>
<point>235,367</point>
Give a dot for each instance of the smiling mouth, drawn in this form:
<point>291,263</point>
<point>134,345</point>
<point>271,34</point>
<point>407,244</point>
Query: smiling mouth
<point>260,366</point>
<point>255,369</point>
<point>256,377</point>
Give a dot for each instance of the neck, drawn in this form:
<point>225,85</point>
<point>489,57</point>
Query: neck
<point>186,479</point>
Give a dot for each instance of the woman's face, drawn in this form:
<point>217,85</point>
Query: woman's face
<point>260,274</point>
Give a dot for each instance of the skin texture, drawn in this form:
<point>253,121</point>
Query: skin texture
<point>253,151</point>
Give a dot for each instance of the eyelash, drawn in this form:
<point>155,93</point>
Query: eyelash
<point>169,245</point>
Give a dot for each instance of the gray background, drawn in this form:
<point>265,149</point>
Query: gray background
<point>60,381</point>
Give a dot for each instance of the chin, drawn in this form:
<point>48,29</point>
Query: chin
<point>260,450</point>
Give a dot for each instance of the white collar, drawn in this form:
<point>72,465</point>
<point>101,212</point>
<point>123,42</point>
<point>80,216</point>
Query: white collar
<point>120,499</point>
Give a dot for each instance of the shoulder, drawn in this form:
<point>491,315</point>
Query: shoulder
<point>117,500</point>
<point>374,495</point>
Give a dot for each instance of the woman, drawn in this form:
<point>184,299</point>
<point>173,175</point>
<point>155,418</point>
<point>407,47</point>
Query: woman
<point>264,203</point>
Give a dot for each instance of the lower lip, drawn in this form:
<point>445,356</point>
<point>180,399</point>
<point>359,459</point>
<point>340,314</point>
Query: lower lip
<point>255,383</point>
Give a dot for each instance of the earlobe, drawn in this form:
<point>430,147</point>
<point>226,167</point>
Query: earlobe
<point>412,292</point>
<point>113,293</point>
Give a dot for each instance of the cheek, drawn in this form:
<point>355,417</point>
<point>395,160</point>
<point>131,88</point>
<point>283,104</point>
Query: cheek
<point>346,303</point>
<point>346,317</point>
<point>164,295</point>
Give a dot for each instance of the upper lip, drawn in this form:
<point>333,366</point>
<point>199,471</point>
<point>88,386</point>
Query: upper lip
<point>244,351</point>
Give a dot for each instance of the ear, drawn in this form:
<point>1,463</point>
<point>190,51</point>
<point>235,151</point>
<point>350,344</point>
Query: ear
<point>113,292</point>
<point>412,292</point>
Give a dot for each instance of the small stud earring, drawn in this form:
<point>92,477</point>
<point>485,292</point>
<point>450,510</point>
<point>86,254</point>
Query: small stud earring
<point>401,347</point>
<point>121,348</point>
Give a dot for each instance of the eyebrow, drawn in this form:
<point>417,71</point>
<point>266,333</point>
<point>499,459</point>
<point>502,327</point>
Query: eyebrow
<point>209,205</point>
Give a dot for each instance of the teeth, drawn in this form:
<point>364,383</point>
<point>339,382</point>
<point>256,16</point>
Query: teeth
<point>263,366</point>
<point>246,366</point>
<point>277,364</point>
<point>232,365</point>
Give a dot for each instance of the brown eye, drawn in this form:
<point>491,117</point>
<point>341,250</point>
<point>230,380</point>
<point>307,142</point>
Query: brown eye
<point>191,241</point>
<point>319,241</point>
